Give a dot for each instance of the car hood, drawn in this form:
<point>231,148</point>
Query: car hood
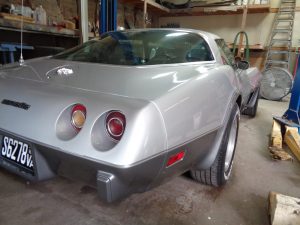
<point>144,82</point>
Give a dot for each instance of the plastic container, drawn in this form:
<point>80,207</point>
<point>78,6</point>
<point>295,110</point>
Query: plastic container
<point>40,15</point>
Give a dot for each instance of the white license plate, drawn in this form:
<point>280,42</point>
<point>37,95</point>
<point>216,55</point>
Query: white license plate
<point>17,153</point>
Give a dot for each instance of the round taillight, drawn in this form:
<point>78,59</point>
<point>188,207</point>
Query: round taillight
<point>115,124</point>
<point>78,116</point>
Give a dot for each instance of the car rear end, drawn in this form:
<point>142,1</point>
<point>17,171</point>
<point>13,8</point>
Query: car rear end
<point>100,116</point>
<point>105,140</point>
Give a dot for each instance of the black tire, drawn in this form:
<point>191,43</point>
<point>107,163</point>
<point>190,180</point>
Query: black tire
<point>251,111</point>
<point>218,174</point>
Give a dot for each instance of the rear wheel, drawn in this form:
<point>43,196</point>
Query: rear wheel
<point>220,171</point>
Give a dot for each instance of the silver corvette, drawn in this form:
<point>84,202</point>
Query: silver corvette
<point>127,111</point>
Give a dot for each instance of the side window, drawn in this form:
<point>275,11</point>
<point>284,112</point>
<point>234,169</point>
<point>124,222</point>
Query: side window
<point>199,52</point>
<point>226,54</point>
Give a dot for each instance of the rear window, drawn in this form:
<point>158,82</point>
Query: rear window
<point>141,48</point>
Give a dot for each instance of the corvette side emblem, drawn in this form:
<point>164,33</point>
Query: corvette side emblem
<point>21,105</point>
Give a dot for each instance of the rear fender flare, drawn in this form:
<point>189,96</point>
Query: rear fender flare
<point>207,161</point>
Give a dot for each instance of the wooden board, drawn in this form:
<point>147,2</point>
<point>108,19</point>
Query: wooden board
<point>292,139</point>
<point>276,136</point>
<point>275,148</point>
<point>284,210</point>
<point>16,17</point>
<point>69,25</point>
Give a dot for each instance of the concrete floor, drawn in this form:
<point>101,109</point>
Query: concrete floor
<point>181,201</point>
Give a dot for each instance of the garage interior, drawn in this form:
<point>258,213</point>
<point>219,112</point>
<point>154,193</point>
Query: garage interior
<point>266,165</point>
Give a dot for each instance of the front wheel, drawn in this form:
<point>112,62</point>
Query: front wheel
<point>218,174</point>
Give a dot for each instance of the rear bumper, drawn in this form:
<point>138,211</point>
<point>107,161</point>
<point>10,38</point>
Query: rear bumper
<point>112,182</point>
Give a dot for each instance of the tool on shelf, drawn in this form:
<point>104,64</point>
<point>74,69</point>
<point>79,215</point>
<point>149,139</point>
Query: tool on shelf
<point>246,52</point>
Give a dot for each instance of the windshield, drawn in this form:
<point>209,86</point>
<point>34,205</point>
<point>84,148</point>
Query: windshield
<point>141,48</point>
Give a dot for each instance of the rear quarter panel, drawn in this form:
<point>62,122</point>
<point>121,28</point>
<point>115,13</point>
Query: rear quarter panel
<point>192,110</point>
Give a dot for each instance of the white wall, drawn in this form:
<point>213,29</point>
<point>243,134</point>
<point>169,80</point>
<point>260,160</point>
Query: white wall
<point>258,26</point>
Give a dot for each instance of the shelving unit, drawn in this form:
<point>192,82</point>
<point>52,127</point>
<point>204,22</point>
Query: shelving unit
<point>145,5</point>
<point>197,11</point>
<point>162,11</point>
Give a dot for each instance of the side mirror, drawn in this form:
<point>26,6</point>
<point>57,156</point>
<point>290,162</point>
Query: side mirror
<point>243,65</point>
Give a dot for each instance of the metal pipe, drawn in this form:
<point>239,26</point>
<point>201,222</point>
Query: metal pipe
<point>84,20</point>
<point>115,14</point>
<point>102,17</point>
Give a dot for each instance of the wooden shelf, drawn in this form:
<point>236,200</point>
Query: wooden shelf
<point>198,11</point>
<point>7,24</point>
<point>275,10</point>
<point>219,10</point>
<point>257,47</point>
<point>151,5</point>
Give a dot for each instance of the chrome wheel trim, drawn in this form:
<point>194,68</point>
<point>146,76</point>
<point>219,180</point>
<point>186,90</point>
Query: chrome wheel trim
<point>230,148</point>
